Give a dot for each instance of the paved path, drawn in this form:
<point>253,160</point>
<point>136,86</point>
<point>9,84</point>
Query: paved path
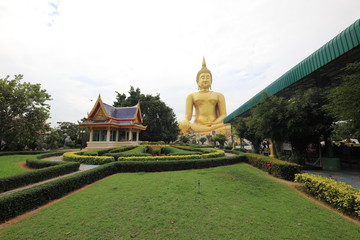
<point>81,168</point>
<point>351,177</point>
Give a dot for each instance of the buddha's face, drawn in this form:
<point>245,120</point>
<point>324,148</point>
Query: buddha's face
<point>204,81</point>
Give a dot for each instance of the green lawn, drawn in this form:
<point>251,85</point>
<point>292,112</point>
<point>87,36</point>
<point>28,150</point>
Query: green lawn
<point>9,164</point>
<point>236,202</point>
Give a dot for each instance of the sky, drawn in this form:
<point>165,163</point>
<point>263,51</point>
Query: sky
<point>78,49</point>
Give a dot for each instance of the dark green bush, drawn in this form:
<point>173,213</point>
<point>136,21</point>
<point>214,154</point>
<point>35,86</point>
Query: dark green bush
<point>20,202</point>
<point>12,182</point>
<point>21,153</point>
<point>276,167</point>
<point>122,149</point>
<point>135,152</point>
<point>155,150</point>
<point>172,151</point>
<point>97,152</point>
<point>153,166</point>
<point>37,163</point>
<point>80,158</point>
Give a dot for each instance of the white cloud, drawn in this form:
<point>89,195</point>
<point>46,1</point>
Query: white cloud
<point>78,49</point>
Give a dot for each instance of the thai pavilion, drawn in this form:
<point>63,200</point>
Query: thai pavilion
<point>113,126</point>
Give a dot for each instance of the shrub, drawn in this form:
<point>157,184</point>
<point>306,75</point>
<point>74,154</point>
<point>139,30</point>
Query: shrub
<point>139,151</point>
<point>15,204</point>
<point>155,150</point>
<point>21,153</point>
<point>122,149</point>
<point>80,158</point>
<point>97,152</point>
<point>12,182</point>
<point>172,151</point>
<point>20,202</point>
<point>213,154</point>
<point>342,196</point>
<point>36,163</point>
<point>275,167</point>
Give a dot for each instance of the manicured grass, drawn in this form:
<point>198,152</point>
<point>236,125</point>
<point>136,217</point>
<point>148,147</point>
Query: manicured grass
<point>9,164</point>
<point>236,202</point>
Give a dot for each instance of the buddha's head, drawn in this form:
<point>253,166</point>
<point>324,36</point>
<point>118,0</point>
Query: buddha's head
<point>204,77</point>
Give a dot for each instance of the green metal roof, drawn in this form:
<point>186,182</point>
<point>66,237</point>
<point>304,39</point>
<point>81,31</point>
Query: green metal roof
<point>342,43</point>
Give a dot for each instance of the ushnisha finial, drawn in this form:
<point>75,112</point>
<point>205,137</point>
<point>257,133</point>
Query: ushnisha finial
<point>203,70</point>
<point>204,63</point>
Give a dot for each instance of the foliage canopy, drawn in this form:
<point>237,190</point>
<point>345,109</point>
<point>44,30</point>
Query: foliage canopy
<point>158,117</point>
<point>23,112</point>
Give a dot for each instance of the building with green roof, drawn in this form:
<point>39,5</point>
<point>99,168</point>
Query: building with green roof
<point>320,69</point>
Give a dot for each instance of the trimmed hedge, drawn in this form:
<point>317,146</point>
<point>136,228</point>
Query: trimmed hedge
<point>139,151</point>
<point>37,163</point>
<point>20,202</point>
<point>80,158</point>
<point>153,166</point>
<point>340,195</point>
<point>12,182</point>
<point>213,154</point>
<point>275,167</point>
<point>98,152</point>
<point>21,153</point>
<point>173,151</point>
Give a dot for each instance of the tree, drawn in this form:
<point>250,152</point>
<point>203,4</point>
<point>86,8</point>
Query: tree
<point>184,138</point>
<point>243,130</point>
<point>202,140</point>
<point>344,102</point>
<point>69,129</point>
<point>268,119</point>
<point>220,138</point>
<point>308,122</point>
<point>158,117</point>
<point>23,113</point>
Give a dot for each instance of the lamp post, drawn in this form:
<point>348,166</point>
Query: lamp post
<point>82,132</point>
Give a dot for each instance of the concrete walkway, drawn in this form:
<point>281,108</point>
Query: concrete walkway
<point>351,177</point>
<point>81,168</point>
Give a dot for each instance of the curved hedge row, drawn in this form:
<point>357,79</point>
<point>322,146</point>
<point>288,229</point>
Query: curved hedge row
<point>342,196</point>
<point>80,158</point>
<point>48,170</point>
<point>276,167</point>
<point>136,154</point>
<point>20,202</point>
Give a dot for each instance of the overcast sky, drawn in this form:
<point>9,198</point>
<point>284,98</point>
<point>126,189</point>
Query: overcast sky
<point>78,49</point>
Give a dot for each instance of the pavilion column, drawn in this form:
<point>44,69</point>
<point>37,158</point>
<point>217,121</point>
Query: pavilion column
<point>130,135</point>
<point>108,135</point>
<point>117,135</point>
<point>91,135</point>
<point>137,135</point>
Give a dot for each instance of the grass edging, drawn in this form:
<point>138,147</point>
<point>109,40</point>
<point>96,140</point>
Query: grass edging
<point>20,202</point>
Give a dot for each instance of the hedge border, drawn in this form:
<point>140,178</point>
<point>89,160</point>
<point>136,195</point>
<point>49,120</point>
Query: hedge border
<point>28,199</point>
<point>273,166</point>
<point>46,171</point>
<point>341,196</point>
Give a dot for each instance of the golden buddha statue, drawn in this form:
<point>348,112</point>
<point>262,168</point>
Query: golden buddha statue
<point>210,108</point>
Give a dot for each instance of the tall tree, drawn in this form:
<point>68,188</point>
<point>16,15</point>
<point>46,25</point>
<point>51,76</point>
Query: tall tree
<point>243,130</point>
<point>268,118</point>
<point>308,122</point>
<point>23,112</point>
<point>158,117</point>
<point>344,101</point>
